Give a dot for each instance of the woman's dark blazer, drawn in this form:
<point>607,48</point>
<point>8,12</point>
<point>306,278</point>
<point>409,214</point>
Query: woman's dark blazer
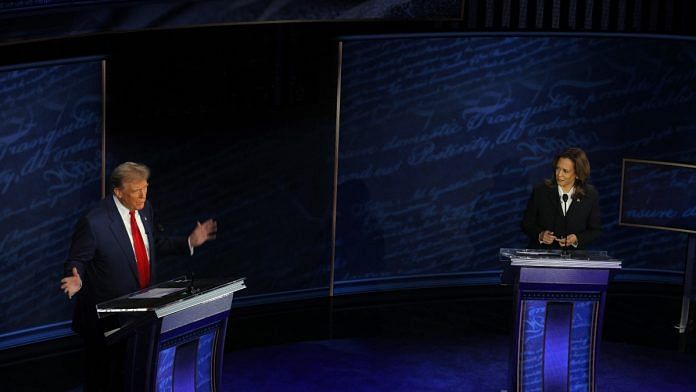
<point>544,213</point>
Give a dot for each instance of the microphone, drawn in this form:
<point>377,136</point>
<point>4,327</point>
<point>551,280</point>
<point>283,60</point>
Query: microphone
<point>565,220</point>
<point>191,288</point>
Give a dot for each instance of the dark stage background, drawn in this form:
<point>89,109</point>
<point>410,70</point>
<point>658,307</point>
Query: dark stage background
<point>440,142</point>
<point>242,134</point>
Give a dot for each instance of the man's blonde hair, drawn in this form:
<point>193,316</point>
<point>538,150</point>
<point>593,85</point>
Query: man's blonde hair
<point>128,171</point>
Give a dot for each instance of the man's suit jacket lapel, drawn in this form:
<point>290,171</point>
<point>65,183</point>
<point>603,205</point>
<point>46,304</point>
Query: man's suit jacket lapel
<point>145,217</point>
<point>121,235</point>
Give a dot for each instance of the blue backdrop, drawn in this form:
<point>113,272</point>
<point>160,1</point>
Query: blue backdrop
<point>50,172</point>
<point>442,139</point>
<point>659,195</point>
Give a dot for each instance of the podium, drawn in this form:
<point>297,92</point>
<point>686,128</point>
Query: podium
<point>174,332</point>
<point>559,305</point>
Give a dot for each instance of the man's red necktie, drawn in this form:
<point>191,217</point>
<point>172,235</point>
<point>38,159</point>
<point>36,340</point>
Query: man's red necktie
<point>140,253</point>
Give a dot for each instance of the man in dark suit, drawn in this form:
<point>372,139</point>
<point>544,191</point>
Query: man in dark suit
<point>564,211</point>
<point>114,252</point>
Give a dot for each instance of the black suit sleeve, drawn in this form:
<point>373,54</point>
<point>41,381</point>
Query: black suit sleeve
<point>168,245</point>
<point>593,224</point>
<point>530,223</point>
<point>82,248</point>
<point>171,245</point>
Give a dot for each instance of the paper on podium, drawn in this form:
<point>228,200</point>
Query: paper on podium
<point>157,292</point>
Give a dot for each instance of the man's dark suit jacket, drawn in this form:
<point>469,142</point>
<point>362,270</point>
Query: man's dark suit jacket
<point>102,252</point>
<point>544,213</point>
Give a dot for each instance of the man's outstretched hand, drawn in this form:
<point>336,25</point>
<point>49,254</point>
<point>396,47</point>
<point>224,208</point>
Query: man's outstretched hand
<point>203,232</point>
<point>71,284</point>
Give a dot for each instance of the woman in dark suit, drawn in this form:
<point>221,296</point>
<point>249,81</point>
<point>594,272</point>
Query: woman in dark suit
<point>552,223</point>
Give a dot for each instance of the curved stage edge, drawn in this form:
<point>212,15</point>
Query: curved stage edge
<point>639,315</point>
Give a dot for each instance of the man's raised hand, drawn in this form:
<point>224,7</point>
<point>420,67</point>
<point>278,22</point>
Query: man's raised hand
<point>203,232</point>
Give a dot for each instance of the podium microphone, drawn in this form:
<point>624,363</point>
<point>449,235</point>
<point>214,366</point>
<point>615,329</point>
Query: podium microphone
<point>191,288</point>
<point>565,221</point>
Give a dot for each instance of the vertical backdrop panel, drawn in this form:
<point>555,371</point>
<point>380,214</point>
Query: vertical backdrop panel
<point>442,139</point>
<point>50,173</point>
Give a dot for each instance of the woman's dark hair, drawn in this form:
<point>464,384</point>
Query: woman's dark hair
<point>582,169</point>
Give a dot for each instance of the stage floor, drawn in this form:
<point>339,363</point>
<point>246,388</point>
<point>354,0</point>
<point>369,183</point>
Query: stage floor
<point>454,339</point>
<point>474,364</point>
<point>477,363</point>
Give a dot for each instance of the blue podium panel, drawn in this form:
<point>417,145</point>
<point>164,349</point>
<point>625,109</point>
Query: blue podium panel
<point>556,350</point>
<point>165,369</point>
<point>175,333</point>
<point>205,372</point>
<point>188,356</point>
<point>559,299</point>
<point>531,354</point>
